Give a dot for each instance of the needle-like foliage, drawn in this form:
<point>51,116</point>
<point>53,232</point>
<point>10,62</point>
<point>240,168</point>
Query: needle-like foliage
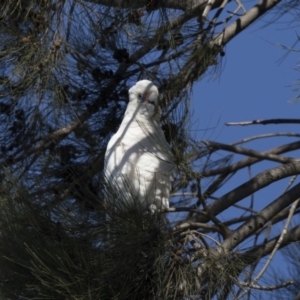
<point>65,233</point>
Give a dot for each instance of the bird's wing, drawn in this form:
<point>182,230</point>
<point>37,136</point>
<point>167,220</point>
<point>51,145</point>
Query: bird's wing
<point>155,141</point>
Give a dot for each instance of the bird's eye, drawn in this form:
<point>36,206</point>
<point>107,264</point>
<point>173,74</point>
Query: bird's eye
<point>140,96</point>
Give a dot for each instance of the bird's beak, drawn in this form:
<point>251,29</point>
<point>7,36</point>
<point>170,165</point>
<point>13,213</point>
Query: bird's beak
<point>150,98</point>
<point>146,97</point>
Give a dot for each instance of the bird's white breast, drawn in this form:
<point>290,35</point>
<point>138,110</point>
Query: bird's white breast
<point>138,154</point>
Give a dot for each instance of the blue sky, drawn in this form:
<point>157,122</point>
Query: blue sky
<point>255,83</point>
<point>252,83</point>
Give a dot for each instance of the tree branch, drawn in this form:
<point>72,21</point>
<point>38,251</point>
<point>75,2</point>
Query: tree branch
<point>262,288</point>
<point>276,247</point>
<point>248,152</point>
<point>266,135</point>
<point>264,122</point>
<point>244,21</point>
<point>257,222</point>
<point>258,182</point>
<point>174,4</point>
<point>262,250</point>
<point>249,161</point>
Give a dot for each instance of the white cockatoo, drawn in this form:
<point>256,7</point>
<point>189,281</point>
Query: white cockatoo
<point>138,159</point>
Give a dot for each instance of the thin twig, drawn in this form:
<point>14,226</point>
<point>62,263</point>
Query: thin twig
<point>251,160</point>
<point>277,245</point>
<point>181,209</point>
<point>267,135</point>
<point>245,208</point>
<point>190,224</point>
<point>263,288</point>
<point>264,122</point>
<point>249,152</point>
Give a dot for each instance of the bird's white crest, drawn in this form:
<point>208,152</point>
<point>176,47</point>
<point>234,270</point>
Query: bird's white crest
<point>143,100</point>
<point>138,160</point>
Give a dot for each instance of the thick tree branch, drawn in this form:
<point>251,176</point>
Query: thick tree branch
<point>276,247</point>
<point>262,250</point>
<point>278,218</point>
<point>249,161</point>
<point>244,21</point>
<point>257,222</point>
<point>258,182</point>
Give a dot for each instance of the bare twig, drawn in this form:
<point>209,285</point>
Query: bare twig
<point>293,235</point>
<point>244,21</point>
<point>209,6</point>
<point>248,152</point>
<point>264,122</point>
<point>257,222</point>
<point>267,135</point>
<point>249,161</point>
<point>188,209</point>
<point>246,208</point>
<point>277,245</point>
<point>187,225</point>
<point>263,288</point>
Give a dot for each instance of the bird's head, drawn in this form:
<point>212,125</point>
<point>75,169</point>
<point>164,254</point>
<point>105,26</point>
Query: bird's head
<point>143,99</point>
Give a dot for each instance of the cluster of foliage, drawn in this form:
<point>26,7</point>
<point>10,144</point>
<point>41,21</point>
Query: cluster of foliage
<point>65,69</point>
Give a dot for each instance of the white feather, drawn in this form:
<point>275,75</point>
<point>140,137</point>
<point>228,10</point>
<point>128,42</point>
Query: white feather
<point>138,159</point>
